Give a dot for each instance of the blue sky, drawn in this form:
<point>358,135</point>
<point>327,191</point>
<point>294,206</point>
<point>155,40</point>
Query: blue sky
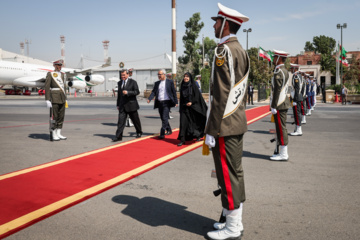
<point>140,29</point>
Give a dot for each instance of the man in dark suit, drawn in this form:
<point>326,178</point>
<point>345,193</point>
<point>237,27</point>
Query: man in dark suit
<point>250,91</point>
<point>166,98</point>
<point>127,105</point>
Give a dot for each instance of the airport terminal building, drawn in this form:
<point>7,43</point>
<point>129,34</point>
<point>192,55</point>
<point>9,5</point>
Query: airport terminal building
<point>144,72</point>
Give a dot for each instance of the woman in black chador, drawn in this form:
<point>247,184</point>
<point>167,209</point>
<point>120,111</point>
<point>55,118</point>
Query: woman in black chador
<point>192,111</point>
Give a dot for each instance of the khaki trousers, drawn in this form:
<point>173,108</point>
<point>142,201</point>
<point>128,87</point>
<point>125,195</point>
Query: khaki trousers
<point>227,155</point>
<point>59,114</point>
<point>280,125</point>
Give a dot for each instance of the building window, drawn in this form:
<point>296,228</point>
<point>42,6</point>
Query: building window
<point>309,63</point>
<point>333,80</point>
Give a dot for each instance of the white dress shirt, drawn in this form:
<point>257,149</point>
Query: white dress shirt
<point>124,84</point>
<point>162,91</point>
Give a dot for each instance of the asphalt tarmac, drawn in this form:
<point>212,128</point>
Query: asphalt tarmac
<point>314,195</point>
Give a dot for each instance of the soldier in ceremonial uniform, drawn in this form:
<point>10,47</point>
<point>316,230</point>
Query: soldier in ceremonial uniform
<point>226,122</point>
<point>55,97</point>
<point>303,102</point>
<point>297,99</point>
<point>313,93</point>
<point>308,95</point>
<point>279,103</point>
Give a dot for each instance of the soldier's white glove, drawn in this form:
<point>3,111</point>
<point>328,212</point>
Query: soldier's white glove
<point>273,111</point>
<point>294,104</point>
<point>48,104</point>
<point>210,140</point>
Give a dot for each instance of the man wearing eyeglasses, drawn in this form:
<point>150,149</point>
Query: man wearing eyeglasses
<point>165,98</point>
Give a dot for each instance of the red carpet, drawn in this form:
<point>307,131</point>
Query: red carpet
<point>32,194</point>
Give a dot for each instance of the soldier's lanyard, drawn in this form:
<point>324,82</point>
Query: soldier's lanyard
<point>58,80</point>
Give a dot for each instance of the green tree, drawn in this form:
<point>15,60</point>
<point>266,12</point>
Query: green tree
<point>260,69</point>
<point>209,46</point>
<point>352,75</point>
<point>321,45</point>
<point>325,46</point>
<point>309,47</point>
<point>193,27</point>
<point>328,63</point>
<point>205,79</point>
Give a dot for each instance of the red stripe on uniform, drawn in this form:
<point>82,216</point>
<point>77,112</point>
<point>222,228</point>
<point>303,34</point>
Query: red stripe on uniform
<point>280,130</point>
<point>226,175</point>
<point>296,116</point>
<point>302,108</point>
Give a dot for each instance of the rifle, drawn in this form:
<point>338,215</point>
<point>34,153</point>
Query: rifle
<point>276,151</point>
<point>51,125</point>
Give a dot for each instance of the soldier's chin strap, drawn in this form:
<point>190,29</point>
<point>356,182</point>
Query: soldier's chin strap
<point>277,61</point>
<point>222,28</point>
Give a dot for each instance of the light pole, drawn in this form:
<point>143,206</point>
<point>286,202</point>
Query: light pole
<point>203,48</point>
<point>247,36</point>
<point>339,26</point>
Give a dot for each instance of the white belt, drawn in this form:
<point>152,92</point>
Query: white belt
<point>54,89</point>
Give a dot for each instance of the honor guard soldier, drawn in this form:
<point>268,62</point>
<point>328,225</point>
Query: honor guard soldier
<point>56,98</point>
<point>303,102</point>
<point>279,103</point>
<point>226,122</point>
<point>313,93</point>
<point>297,99</point>
<point>308,95</point>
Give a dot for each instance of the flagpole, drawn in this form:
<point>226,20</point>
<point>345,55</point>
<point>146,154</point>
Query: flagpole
<point>337,65</point>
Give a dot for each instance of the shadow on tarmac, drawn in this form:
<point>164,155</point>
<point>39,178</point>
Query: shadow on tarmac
<point>260,131</point>
<point>40,136</point>
<point>155,117</point>
<point>157,212</point>
<point>111,136</point>
<point>255,155</point>
<point>110,124</point>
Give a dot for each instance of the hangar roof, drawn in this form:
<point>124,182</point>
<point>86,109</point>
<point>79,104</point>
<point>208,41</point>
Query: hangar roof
<point>156,62</point>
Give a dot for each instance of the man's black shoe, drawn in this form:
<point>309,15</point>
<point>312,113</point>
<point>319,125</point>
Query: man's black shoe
<point>180,143</point>
<point>116,139</point>
<point>168,132</point>
<point>138,135</point>
<point>198,139</point>
<point>161,137</point>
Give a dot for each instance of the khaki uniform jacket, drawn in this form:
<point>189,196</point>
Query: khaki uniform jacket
<point>57,96</point>
<point>276,88</point>
<point>235,124</point>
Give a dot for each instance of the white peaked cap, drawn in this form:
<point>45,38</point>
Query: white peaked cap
<point>230,15</point>
<point>58,62</point>
<point>280,53</point>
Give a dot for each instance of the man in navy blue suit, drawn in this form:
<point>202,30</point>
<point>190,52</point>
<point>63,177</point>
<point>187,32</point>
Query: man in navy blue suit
<point>165,98</point>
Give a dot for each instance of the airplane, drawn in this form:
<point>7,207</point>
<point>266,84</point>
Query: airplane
<point>31,75</point>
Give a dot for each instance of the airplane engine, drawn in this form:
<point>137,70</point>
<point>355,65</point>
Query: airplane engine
<point>77,84</point>
<point>95,79</point>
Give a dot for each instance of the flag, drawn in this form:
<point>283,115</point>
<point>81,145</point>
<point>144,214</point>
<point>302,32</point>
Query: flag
<point>271,55</point>
<point>342,56</point>
<point>342,52</point>
<point>266,55</point>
